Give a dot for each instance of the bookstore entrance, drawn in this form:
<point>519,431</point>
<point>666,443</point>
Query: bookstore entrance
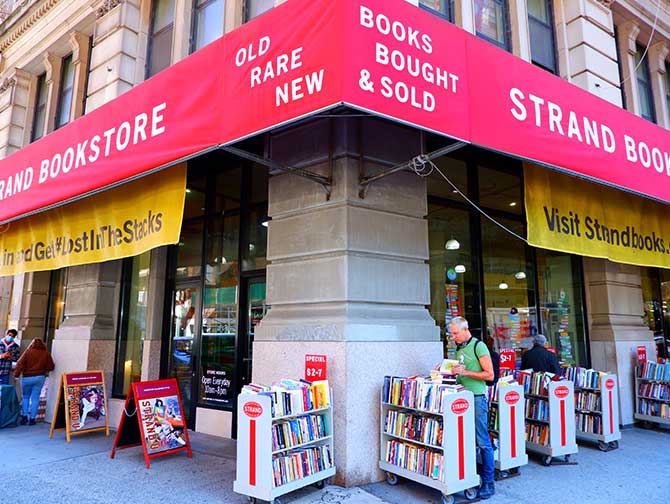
<point>216,283</point>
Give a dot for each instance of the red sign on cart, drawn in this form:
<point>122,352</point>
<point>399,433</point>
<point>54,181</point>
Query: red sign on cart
<point>507,358</point>
<point>162,429</point>
<point>315,367</point>
<point>642,353</point>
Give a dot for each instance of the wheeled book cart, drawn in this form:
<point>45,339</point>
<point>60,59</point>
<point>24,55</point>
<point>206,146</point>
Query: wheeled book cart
<point>608,413</point>
<point>561,423</point>
<point>255,451</point>
<point>457,448</point>
<point>657,403</point>
<point>511,430</point>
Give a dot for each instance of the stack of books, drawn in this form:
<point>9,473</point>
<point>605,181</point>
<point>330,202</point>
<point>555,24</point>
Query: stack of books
<point>538,434</point>
<point>587,401</point>
<point>292,397</point>
<point>589,423</point>
<point>653,408</point>
<point>417,392</point>
<point>583,377</point>
<point>299,431</point>
<point>658,391</point>
<point>300,464</point>
<point>414,427</point>
<point>417,459</point>
<point>537,409</point>
<point>654,371</point>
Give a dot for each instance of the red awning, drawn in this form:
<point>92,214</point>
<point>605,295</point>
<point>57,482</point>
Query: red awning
<point>381,56</point>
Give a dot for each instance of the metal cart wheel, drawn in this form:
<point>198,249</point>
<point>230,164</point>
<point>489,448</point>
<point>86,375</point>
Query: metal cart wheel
<point>448,499</point>
<point>603,446</point>
<point>470,493</point>
<point>320,484</point>
<point>546,460</point>
<point>614,445</point>
<point>514,471</point>
<point>392,479</point>
<point>275,501</point>
<point>252,500</point>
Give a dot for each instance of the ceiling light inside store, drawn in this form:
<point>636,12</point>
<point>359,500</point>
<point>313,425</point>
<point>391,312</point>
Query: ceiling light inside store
<point>520,275</point>
<point>503,286</point>
<point>459,268</point>
<point>452,244</point>
<point>513,203</point>
<point>188,191</point>
<point>265,223</point>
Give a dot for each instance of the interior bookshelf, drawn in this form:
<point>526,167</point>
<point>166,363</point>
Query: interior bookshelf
<point>280,447</point>
<point>550,416</point>
<point>596,406</point>
<point>652,392</point>
<point>428,436</point>
<point>507,427</point>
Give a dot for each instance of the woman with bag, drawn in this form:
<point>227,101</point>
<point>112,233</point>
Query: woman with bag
<point>34,365</point>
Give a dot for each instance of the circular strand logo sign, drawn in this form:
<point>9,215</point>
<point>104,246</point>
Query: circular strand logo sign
<point>512,397</point>
<point>562,392</point>
<point>460,406</point>
<point>609,384</point>
<point>253,409</point>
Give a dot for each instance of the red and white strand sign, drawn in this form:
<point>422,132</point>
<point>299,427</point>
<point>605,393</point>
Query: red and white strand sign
<point>459,407</point>
<point>315,367</point>
<point>562,392</point>
<point>642,353</point>
<point>512,398</point>
<point>507,358</point>
<point>609,385</point>
<point>253,410</point>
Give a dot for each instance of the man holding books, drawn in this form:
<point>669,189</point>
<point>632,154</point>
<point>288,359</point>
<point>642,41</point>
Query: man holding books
<point>474,370</point>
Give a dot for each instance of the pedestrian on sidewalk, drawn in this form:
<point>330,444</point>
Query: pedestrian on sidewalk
<point>9,353</point>
<point>539,359</point>
<point>474,370</point>
<point>34,365</point>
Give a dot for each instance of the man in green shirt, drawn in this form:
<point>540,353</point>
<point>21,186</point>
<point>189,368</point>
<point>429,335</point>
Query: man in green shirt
<point>474,370</point>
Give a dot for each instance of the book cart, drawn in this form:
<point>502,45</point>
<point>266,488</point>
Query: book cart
<point>508,428</point>
<point>597,409</point>
<point>550,420</point>
<point>447,451</point>
<point>264,469</point>
<point>652,393</point>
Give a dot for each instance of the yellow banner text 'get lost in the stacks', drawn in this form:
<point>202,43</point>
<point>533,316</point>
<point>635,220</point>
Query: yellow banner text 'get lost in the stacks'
<point>120,222</point>
<point>579,217</point>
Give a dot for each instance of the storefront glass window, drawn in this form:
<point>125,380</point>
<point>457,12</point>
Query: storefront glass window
<point>560,290</point>
<point>656,295</point>
<point>132,329</point>
<point>500,190</point>
<point>189,253</point>
<point>491,21</point>
<point>456,171</point>
<point>209,17</point>
<point>454,278</point>
<point>509,290</point>
<point>56,305</point>
<point>255,252</point>
<point>219,313</point>
<point>227,190</point>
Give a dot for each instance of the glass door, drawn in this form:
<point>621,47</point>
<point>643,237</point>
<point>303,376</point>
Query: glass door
<point>184,338</point>
<point>256,308</point>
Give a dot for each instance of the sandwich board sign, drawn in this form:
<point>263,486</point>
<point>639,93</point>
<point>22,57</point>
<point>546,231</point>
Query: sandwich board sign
<point>160,427</point>
<point>81,405</point>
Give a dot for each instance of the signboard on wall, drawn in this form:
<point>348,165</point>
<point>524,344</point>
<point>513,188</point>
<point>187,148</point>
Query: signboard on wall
<point>81,405</point>
<point>160,427</point>
<point>507,358</point>
<point>642,353</point>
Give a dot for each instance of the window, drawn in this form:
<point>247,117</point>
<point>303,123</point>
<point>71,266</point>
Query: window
<point>667,86</point>
<point>39,119</point>
<point>208,22</point>
<point>65,93</point>
<point>444,8</point>
<point>656,298</point>
<point>56,303</point>
<point>255,8</point>
<point>541,25</point>
<point>647,110</point>
<point>160,39</point>
<point>133,326</point>
<point>491,22</point>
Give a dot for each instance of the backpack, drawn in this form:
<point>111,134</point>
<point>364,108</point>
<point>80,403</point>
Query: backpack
<point>495,359</point>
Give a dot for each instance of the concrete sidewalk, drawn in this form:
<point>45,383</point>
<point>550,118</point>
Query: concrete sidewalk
<point>39,470</point>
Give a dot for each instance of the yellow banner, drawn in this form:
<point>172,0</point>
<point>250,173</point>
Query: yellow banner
<point>120,222</point>
<point>571,215</point>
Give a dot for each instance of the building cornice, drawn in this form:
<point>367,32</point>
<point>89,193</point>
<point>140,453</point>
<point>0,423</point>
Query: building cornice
<point>25,22</point>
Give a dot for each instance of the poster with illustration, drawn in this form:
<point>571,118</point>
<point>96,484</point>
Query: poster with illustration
<point>81,405</point>
<point>153,417</point>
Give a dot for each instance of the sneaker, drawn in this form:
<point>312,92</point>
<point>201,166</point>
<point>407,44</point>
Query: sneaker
<point>32,421</point>
<point>24,420</point>
<point>486,491</point>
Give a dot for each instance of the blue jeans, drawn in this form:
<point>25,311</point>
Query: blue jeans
<point>483,438</point>
<point>31,386</point>
<point>4,379</point>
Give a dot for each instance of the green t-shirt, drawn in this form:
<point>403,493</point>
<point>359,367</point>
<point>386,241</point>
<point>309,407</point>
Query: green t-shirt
<point>470,361</point>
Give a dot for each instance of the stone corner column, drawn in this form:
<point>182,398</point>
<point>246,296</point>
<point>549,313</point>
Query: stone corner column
<point>616,328</point>
<point>518,14</point>
<point>80,44</point>
<point>15,115</point>
<point>53,66</point>
<point>348,278</point>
